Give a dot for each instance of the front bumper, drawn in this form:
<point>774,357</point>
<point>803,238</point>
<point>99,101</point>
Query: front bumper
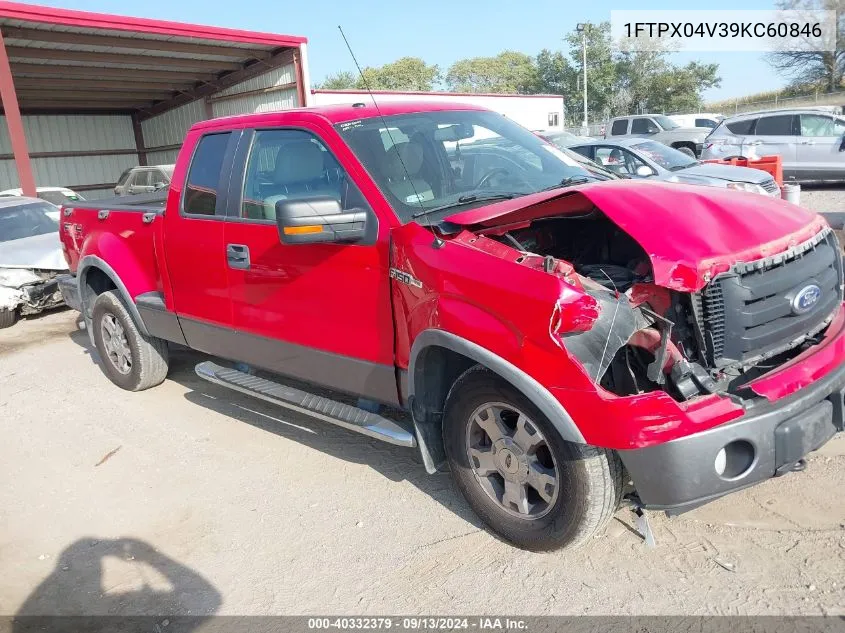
<point>681,474</point>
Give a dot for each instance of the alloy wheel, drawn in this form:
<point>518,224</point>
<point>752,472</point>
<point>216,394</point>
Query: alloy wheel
<point>512,461</point>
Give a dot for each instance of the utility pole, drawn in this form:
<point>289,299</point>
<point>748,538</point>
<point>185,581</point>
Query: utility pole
<point>582,29</point>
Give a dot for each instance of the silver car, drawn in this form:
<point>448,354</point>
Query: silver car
<point>143,180</point>
<point>810,142</point>
<point>644,158</point>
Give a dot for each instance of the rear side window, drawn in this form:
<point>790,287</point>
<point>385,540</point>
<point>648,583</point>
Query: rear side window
<point>781,125</point>
<point>620,126</point>
<point>705,123</point>
<point>741,127</point>
<point>204,175</point>
<point>586,152</point>
<point>643,126</point>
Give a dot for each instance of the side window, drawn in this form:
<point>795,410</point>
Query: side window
<point>290,165</point>
<point>204,175</point>
<point>157,178</point>
<point>644,126</point>
<point>620,126</point>
<point>780,125</point>
<point>741,127</point>
<point>142,178</point>
<point>818,125</point>
<point>705,123</point>
<point>617,160</point>
<point>585,151</point>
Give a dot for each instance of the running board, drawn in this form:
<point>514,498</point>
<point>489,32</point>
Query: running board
<point>325,409</point>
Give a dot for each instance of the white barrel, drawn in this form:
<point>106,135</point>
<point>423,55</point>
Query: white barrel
<point>791,193</point>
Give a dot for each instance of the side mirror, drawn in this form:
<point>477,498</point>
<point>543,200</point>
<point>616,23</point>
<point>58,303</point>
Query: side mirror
<point>159,186</point>
<point>644,171</point>
<point>842,144</point>
<point>319,220</point>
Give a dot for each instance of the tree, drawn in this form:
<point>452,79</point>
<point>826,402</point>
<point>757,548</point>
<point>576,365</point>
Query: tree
<point>821,68</point>
<point>601,69</point>
<point>407,73</point>
<point>342,80</point>
<point>507,72</point>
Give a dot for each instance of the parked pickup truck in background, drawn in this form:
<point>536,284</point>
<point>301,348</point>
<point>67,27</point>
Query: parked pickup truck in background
<point>559,342</point>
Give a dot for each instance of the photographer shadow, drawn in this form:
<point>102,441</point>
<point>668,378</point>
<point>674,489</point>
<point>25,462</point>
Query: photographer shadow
<point>119,584</point>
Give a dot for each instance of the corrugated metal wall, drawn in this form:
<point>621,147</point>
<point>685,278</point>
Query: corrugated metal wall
<point>169,128</point>
<point>71,133</point>
<point>110,133</point>
<point>260,102</point>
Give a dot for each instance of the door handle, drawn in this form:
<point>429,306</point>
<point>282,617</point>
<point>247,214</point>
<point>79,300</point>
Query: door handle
<point>808,142</point>
<point>237,255</point>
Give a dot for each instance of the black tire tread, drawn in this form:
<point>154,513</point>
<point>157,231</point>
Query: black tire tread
<point>601,488</point>
<point>151,353</point>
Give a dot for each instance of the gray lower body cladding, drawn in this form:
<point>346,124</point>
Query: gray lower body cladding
<point>772,437</point>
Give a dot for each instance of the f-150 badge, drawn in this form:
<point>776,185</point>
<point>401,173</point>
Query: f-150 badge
<point>405,278</point>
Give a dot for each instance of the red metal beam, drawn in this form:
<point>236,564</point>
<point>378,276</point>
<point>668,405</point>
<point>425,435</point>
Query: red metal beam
<point>15,123</point>
<point>300,77</point>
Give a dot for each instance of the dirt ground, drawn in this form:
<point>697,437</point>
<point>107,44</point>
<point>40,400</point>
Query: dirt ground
<point>190,499</point>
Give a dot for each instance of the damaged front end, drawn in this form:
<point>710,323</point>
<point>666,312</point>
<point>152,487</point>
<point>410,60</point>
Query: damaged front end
<point>643,337</point>
<point>28,291</point>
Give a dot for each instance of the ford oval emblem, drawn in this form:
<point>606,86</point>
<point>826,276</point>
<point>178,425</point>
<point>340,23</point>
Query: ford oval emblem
<point>806,298</point>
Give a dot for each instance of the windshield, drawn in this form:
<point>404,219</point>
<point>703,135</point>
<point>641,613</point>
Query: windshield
<point>168,170</point>
<point>665,122</point>
<point>460,158</point>
<point>665,156</point>
<point>27,220</point>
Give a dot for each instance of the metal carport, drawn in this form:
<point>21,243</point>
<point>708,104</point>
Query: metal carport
<point>110,91</point>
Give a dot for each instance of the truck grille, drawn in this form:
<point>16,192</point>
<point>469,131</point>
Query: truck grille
<point>771,187</point>
<point>768,306</point>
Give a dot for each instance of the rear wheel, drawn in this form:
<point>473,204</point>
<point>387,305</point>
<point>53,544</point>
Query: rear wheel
<point>8,318</point>
<point>131,360</point>
<point>686,150</point>
<point>524,481</point>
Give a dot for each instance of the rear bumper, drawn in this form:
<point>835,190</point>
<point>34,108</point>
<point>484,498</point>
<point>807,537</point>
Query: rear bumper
<point>681,474</point>
<point>70,291</point>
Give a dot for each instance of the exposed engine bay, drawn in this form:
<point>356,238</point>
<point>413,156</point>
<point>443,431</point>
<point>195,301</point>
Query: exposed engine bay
<point>647,337</point>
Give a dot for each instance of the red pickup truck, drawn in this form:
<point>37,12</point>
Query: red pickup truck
<point>560,342</point>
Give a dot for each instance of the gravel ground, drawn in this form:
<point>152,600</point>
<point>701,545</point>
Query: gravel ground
<point>190,499</point>
<point>826,199</point>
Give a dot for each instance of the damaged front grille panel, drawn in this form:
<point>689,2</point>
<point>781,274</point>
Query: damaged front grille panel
<point>750,312</point>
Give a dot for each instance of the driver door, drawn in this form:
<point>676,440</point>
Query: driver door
<point>820,148</point>
<point>318,312</point>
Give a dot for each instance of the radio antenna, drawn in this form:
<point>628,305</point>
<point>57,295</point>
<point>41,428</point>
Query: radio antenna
<point>438,243</point>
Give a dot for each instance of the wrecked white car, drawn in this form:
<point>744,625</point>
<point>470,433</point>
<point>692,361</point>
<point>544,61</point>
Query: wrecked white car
<point>30,258</point>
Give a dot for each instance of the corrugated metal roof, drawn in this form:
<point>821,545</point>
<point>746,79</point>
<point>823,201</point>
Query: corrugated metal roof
<point>41,39</point>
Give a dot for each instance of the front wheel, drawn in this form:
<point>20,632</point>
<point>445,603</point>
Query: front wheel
<point>525,482</point>
<point>131,359</point>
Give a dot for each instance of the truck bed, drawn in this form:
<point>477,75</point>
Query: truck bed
<point>145,202</point>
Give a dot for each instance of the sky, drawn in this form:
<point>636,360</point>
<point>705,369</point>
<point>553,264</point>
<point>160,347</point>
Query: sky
<point>438,31</point>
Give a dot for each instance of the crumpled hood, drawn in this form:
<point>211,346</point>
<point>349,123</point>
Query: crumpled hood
<point>689,233</point>
<point>38,251</point>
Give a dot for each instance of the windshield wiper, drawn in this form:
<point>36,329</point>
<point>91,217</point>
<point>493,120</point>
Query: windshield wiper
<point>680,167</point>
<point>569,181</point>
<point>466,200</point>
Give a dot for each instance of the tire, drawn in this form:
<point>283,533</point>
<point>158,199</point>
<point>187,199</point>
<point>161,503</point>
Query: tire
<point>686,150</point>
<point>131,360</point>
<point>588,480</point>
<point>8,318</point>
